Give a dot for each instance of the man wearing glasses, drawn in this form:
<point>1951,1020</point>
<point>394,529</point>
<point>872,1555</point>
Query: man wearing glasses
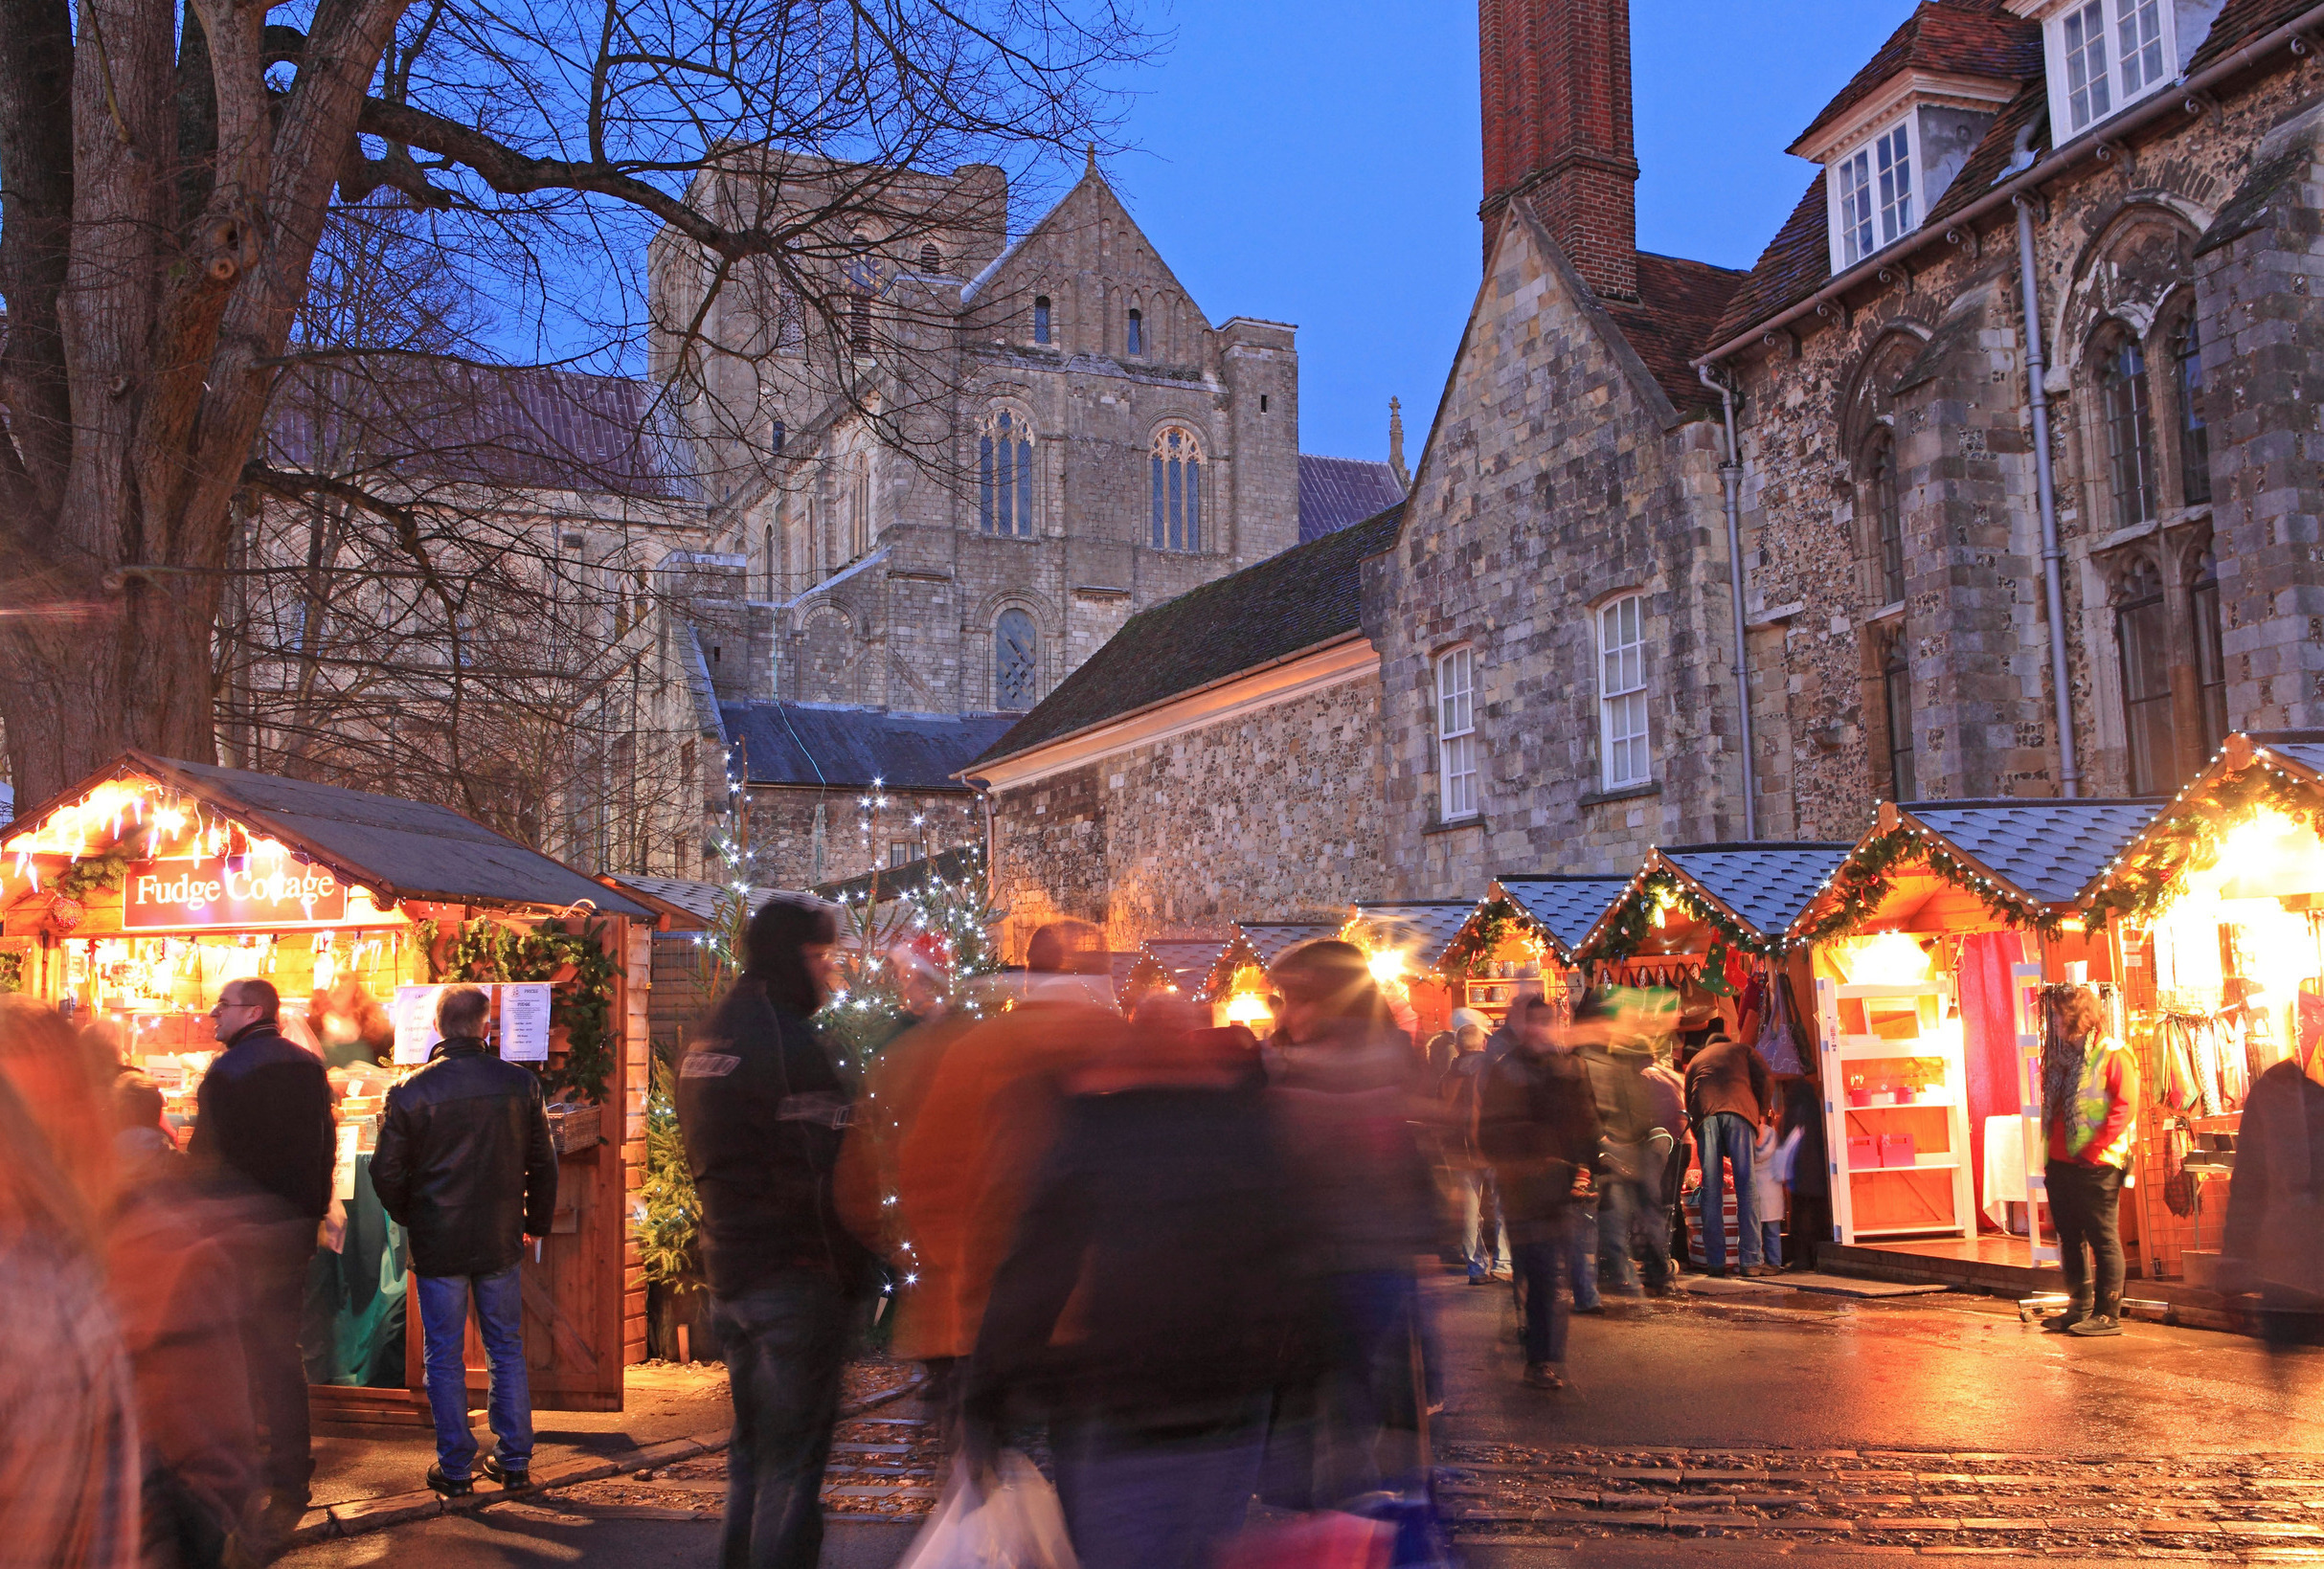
<point>263,1126</point>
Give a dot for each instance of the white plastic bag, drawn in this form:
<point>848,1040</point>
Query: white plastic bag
<point>1017,1524</point>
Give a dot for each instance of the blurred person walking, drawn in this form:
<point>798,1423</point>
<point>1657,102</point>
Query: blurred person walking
<point>1639,1114</point>
<point>2089,1112</point>
<point>1161,1215</point>
<point>1727,1093</point>
<point>69,1461</point>
<point>1342,1081</point>
<point>967,1156</point>
<point>465,1165</point>
<point>1537,1123</point>
<point>761,1107</point>
<point>2275,1242</point>
<point>263,1126</point>
<point>1484,1238</point>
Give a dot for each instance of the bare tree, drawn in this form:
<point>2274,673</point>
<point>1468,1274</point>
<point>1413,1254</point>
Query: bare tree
<point>167,187</point>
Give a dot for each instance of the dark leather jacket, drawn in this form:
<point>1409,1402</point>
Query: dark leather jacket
<point>263,1113</point>
<point>465,1162</point>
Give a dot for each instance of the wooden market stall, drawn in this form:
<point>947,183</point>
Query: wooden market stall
<point>1927,949</point>
<point>1519,939</point>
<point>2214,915</point>
<point>1406,942</point>
<point>134,898</point>
<point>1238,988</point>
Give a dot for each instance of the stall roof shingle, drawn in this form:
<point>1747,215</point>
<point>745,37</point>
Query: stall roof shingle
<point>406,849</point>
<point>1335,492</point>
<point>849,747</point>
<point>696,899</point>
<point>1270,940</point>
<point>2303,749</point>
<point>1308,596</point>
<point>1766,884</point>
<point>1566,907</point>
<point>2049,850</point>
<point>1430,923</point>
<point>1189,960</point>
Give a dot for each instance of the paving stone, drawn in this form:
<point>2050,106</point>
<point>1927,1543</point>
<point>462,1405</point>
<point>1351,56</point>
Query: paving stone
<point>372,1514</point>
<point>563,1473</point>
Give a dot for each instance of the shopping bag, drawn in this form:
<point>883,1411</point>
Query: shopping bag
<point>1016,1524</point>
<point>1325,1539</point>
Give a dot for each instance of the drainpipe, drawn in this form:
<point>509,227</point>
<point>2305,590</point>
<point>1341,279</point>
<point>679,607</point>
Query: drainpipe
<point>2053,591</point>
<point>1731,481</point>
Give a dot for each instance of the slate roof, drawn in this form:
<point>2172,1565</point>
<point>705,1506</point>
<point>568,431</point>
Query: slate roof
<point>1430,923</point>
<point>528,426</point>
<point>1565,907</point>
<point>1335,492</point>
<point>1188,960</point>
<point>1311,594</point>
<point>399,849</point>
<point>848,747</point>
<point>951,865</point>
<point>2302,749</point>
<point>1960,37</point>
<point>2048,850</point>
<point>1767,884</point>
<point>696,899</point>
<point>1270,940</point>
<point>1680,302</point>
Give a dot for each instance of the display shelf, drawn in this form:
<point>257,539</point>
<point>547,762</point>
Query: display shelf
<point>1877,1038</point>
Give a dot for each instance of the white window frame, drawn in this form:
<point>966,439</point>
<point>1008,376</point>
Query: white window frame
<point>1887,213</point>
<point>1625,741</point>
<point>1457,794</point>
<point>2135,55</point>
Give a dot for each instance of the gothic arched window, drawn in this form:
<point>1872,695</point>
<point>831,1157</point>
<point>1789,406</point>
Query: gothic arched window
<point>1896,685</point>
<point>2141,629</point>
<point>2130,430</point>
<point>1888,518</point>
<point>1135,342</point>
<point>1005,475</point>
<point>2194,439</point>
<point>859,505</point>
<point>1178,489</point>
<point>2210,658</point>
<point>1016,660</point>
<point>1041,318</point>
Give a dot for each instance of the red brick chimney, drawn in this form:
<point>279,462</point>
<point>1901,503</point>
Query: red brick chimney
<point>1556,81</point>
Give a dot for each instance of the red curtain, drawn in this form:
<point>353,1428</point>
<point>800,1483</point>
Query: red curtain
<point>1990,1035</point>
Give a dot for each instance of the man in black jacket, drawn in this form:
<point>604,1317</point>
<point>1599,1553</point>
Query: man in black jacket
<point>1537,1123</point>
<point>465,1165</point>
<point>262,1127</point>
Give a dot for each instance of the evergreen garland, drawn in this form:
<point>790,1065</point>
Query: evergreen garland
<point>582,977</point>
<point>1864,879</point>
<point>99,871</point>
<point>2187,837</point>
<point>1480,938</point>
<point>1634,918</point>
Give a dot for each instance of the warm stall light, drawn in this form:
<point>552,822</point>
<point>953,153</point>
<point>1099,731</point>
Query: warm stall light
<point>1887,958</point>
<point>1386,965</point>
<point>1247,1008</point>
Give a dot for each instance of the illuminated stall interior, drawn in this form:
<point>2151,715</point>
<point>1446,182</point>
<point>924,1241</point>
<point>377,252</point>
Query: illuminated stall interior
<point>131,900</point>
<point>2216,917</point>
<point>1928,945</point>
<point>1519,939</point>
<point>1238,989</point>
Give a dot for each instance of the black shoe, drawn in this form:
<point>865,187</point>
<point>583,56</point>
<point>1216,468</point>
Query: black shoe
<point>2097,1324</point>
<point>512,1481</point>
<point>451,1487</point>
<point>2062,1323</point>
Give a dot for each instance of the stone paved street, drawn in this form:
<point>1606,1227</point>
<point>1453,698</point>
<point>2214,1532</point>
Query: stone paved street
<point>1714,1429</point>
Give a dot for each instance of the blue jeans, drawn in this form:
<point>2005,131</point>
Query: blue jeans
<point>1134,1502</point>
<point>1484,1237</point>
<point>1631,1221</point>
<point>1536,1265</point>
<point>785,1343</point>
<point>1577,1247</point>
<point>500,1322</point>
<point>1771,1243</point>
<point>1731,1134</point>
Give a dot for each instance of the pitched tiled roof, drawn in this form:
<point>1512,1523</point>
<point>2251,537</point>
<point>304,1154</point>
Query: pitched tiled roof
<point>1564,907</point>
<point>1796,262</point>
<point>1767,884</point>
<point>820,743</point>
<point>1188,960</point>
<point>2049,850</point>
<point>1270,940</point>
<point>537,427</point>
<point>1335,492</point>
<point>1425,926</point>
<point>1960,37</point>
<point>2025,114</point>
<point>2239,22</point>
<point>698,899</point>
<point>1311,594</point>
<point>1679,303</point>
<point>2302,749</point>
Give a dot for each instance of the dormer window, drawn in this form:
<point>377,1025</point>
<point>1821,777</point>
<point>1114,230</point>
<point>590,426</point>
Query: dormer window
<point>1874,193</point>
<point>2104,56</point>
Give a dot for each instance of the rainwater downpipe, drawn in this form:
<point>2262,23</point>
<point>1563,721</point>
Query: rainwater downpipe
<point>1730,480</point>
<point>2053,590</point>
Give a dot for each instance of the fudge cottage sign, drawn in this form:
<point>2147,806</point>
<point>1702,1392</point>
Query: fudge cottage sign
<point>230,891</point>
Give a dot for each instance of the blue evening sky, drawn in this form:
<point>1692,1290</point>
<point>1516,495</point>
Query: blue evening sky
<point>1319,164</point>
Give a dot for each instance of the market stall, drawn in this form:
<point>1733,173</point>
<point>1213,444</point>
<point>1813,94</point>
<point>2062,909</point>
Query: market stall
<point>2214,917</point>
<point>134,897</point>
<point>1927,948</point>
<point>1238,988</point>
<point>1520,936</point>
<point>1406,942</point>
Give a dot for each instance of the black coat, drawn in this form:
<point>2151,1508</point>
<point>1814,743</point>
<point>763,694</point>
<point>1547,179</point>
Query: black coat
<point>465,1161</point>
<point>264,1114</point>
<point>1537,1125</point>
<point>762,1111</point>
<point>1169,1220</point>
